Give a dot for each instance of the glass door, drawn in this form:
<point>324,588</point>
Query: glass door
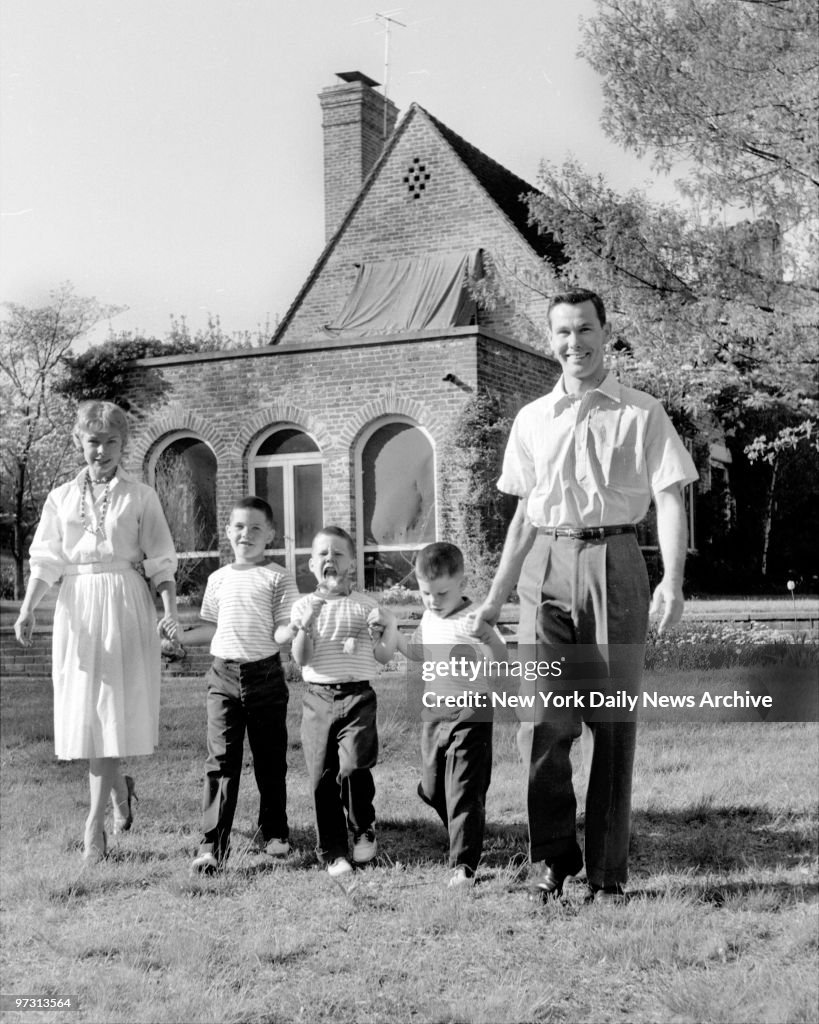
<point>287,472</point>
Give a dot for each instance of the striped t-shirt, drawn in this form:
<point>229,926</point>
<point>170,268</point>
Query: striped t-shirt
<point>339,619</point>
<point>247,605</point>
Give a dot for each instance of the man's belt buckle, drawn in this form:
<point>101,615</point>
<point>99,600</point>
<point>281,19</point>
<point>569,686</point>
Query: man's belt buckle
<point>583,533</point>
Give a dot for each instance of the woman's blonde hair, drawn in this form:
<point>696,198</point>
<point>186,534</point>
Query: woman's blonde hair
<point>104,416</point>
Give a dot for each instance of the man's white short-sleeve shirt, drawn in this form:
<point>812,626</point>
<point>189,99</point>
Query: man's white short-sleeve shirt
<point>593,459</point>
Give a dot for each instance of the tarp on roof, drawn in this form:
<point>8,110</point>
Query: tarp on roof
<point>409,294</point>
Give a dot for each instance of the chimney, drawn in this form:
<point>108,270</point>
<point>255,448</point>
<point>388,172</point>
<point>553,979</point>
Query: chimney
<point>357,121</point>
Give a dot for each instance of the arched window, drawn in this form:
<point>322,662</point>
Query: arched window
<point>395,465</point>
<point>285,468</point>
<point>182,469</point>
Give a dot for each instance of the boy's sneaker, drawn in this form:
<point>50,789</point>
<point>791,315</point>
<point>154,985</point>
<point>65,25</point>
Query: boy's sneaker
<point>365,847</point>
<point>461,878</point>
<point>275,847</point>
<point>205,862</point>
<point>339,867</point>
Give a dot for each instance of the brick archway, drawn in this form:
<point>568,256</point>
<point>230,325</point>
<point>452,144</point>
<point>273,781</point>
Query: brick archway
<point>380,408</point>
<point>170,421</point>
<point>283,412</point>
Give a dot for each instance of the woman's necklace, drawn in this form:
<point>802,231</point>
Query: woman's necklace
<point>106,497</point>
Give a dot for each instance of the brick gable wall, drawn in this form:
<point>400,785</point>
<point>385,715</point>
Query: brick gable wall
<point>452,213</point>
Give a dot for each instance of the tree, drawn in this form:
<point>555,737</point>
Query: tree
<point>729,86</point>
<point>213,337</point>
<point>482,512</point>
<point>714,316</point>
<point>102,372</point>
<point>36,419</point>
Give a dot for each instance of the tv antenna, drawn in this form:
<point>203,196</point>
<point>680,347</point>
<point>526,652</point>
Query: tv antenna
<point>387,19</point>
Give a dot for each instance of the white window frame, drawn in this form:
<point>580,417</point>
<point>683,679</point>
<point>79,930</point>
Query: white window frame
<point>285,550</point>
<point>364,437</point>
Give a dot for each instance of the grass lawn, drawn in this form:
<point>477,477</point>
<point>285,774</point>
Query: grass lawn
<point>721,926</point>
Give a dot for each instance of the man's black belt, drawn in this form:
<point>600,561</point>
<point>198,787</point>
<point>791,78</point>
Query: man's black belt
<point>585,532</point>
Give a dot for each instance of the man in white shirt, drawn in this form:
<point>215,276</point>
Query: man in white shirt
<point>585,461</point>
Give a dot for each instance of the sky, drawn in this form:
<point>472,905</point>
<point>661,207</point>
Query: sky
<point>166,155</point>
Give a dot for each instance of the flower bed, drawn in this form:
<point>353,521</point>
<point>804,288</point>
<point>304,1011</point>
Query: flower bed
<point>703,645</point>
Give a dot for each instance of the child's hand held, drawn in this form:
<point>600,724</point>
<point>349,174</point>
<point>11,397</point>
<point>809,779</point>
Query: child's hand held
<point>172,649</point>
<point>168,627</point>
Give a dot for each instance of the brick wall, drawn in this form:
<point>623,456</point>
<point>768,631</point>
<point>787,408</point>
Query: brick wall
<point>35,662</point>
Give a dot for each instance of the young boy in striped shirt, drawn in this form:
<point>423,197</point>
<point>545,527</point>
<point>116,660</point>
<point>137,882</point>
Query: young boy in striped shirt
<point>339,638</point>
<point>246,609</point>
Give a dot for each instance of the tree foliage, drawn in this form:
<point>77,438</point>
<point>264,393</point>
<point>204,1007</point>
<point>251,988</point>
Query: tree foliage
<point>702,317</point>
<point>214,338</point>
<point>729,86</point>
<point>37,419</point>
<point>102,371</point>
<point>475,456</point>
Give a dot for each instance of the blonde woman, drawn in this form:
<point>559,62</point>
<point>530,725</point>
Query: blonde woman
<point>93,532</point>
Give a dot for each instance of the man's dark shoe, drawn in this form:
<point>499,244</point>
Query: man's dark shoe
<point>612,895</point>
<point>546,880</point>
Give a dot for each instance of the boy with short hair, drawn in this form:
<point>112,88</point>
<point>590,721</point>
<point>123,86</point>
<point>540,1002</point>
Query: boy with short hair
<point>246,609</point>
<point>456,741</point>
<point>339,639</point>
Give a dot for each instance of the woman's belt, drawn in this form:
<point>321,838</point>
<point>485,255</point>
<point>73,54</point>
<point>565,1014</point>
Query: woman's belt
<point>87,568</point>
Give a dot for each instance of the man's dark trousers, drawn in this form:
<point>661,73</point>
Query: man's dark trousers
<point>590,597</point>
<point>252,697</point>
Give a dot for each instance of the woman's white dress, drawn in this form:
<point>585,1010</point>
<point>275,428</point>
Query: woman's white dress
<point>106,653</point>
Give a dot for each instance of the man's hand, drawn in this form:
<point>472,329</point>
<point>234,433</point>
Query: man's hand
<point>668,602</point>
<point>480,621</point>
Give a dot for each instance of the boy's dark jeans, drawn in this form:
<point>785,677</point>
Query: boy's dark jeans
<point>253,697</point>
<point>456,766</point>
<point>340,741</point>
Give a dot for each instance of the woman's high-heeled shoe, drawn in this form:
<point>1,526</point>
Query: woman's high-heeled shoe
<point>123,822</point>
<point>95,847</point>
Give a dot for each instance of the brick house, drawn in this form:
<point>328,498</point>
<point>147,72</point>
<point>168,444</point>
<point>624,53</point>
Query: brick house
<point>347,415</point>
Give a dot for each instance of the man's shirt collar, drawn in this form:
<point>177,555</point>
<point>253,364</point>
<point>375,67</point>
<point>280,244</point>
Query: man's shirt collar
<point>609,386</point>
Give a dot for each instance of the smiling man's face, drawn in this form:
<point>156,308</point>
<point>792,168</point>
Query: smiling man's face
<point>578,342</point>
